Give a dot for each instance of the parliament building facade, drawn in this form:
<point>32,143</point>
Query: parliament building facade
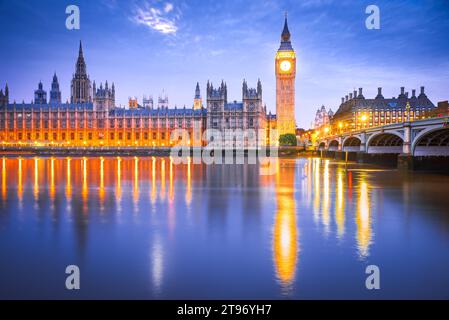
<point>92,119</point>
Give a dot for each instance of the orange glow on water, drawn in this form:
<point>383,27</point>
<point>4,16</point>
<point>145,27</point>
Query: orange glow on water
<point>4,188</point>
<point>189,183</point>
<point>101,193</point>
<point>68,189</point>
<point>363,219</point>
<point>285,234</point>
<point>19,181</point>
<point>340,205</point>
<point>36,179</point>
<point>52,179</point>
<point>153,180</point>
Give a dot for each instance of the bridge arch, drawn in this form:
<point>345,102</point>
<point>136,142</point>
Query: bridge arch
<point>333,145</point>
<point>322,145</point>
<point>352,143</point>
<point>432,142</point>
<point>385,142</point>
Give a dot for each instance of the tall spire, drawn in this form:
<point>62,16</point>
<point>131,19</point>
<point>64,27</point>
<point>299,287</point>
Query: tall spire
<point>286,44</point>
<point>80,54</point>
<point>81,90</point>
<point>285,33</point>
<point>197,91</point>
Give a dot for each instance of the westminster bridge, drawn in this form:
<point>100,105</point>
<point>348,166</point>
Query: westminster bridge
<point>410,143</point>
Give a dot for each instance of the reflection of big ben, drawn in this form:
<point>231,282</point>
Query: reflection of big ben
<point>285,64</point>
<point>285,231</point>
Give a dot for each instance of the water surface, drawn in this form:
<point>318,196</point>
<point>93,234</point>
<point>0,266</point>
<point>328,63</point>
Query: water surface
<point>147,228</point>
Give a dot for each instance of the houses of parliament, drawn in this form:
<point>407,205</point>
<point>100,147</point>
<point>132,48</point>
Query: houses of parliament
<point>92,119</point>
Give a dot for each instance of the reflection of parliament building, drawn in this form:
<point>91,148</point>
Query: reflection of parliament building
<point>91,118</point>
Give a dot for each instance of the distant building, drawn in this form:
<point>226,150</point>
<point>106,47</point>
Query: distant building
<point>147,102</point>
<point>133,103</point>
<point>322,118</point>
<point>357,112</point>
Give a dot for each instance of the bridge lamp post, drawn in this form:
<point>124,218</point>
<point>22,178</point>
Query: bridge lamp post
<point>407,108</point>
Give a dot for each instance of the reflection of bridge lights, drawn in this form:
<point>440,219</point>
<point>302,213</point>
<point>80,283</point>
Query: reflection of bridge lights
<point>363,220</point>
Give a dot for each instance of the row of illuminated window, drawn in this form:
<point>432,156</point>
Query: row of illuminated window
<point>90,136</point>
<point>89,115</point>
<point>90,123</point>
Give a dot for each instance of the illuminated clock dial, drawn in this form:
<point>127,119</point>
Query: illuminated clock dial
<point>285,65</point>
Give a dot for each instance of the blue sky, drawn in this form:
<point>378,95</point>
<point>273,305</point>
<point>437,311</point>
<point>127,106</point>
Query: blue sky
<point>146,46</point>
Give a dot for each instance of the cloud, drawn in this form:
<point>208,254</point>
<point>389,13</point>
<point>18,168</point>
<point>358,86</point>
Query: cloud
<point>157,19</point>
<point>168,7</point>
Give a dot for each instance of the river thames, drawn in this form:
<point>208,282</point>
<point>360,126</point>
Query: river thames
<point>145,228</point>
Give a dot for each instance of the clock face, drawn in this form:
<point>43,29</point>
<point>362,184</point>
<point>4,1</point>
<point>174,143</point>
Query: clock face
<point>285,65</point>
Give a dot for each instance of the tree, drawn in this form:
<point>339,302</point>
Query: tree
<point>288,139</point>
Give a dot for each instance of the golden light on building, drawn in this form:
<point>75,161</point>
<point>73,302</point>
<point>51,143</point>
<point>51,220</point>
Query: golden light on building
<point>285,232</point>
<point>363,219</point>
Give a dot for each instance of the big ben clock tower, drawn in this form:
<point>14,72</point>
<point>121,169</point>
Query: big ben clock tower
<point>285,64</point>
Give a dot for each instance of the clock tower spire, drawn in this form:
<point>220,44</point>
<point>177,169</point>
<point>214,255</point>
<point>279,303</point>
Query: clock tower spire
<point>285,69</point>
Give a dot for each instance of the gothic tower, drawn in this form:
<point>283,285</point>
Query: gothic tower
<point>285,66</point>
<point>216,101</point>
<point>4,97</point>
<point>55,93</point>
<point>103,98</point>
<point>81,88</point>
<point>40,95</point>
<point>197,102</point>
